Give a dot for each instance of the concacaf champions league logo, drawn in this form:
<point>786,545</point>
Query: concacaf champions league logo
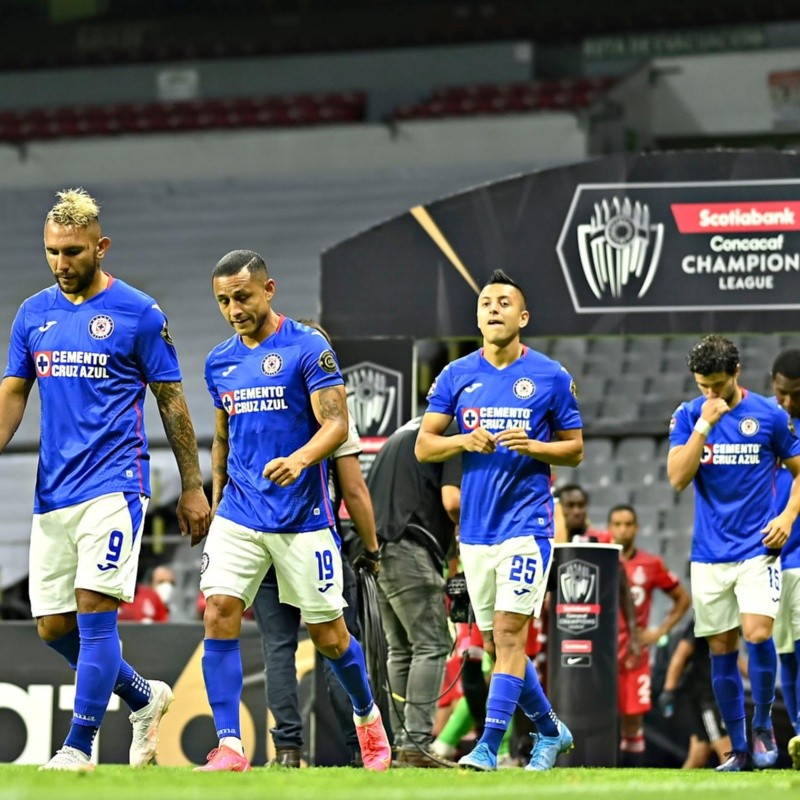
<point>374,395</point>
<point>577,609</point>
<point>620,246</point>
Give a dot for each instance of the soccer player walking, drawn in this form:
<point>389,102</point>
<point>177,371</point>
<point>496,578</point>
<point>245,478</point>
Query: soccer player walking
<point>786,387</point>
<point>726,443</point>
<point>517,415</point>
<point>280,413</point>
<point>93,343</point>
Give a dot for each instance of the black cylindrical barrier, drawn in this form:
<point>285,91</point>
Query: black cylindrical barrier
<point>582,659</point>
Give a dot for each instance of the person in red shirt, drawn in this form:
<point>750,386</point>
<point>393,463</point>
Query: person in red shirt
<point>646,572</point>
<point>150,603</point>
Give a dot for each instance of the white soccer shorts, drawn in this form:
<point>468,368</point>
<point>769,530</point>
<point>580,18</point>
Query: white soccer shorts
<point>787,624</point>
<point>308,566</point>
<point>509,576</point>
<point>92,545</point>
<point>721,593</point>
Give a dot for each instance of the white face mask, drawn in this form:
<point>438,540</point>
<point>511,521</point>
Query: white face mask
<point>164,591</point>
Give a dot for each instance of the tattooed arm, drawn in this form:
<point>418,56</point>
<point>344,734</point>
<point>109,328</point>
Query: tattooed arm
<point>330,410</point>
<point>193,511</point>
<point>219,458</point>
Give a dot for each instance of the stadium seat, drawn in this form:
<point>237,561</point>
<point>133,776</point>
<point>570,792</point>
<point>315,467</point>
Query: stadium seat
<point>636,448</point>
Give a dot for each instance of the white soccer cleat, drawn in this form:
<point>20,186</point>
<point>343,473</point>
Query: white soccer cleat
<point>69,759</point>
<point>145,723</point>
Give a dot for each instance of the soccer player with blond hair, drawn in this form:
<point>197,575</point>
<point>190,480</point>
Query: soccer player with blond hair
<point>93,343</point>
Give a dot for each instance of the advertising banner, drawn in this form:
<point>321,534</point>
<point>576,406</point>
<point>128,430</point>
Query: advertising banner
<point>582,659</point>
<point>656,243</point>
<point>37,689</point>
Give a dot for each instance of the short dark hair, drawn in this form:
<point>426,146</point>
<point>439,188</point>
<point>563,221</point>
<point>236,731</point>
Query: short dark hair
<point>787,364</point>
<point>234,262</point>
<point>623,507</point>
<point>314,325</point>
<point>498,276</point>
<point>572,487</point>
<point>713,354</point>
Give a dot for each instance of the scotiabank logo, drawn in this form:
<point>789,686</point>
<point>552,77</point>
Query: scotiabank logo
<point>736,217</point>
<point>690,246</point>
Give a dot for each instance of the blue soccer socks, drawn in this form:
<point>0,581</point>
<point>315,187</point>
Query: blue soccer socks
<point>504,693</point>
<point>98,664</point>
<point>534,702</point>
<point>351,671</point>
<point>223,676</point>
<point>729,693</point>
<point>762,669</point>
<point>129,685</point>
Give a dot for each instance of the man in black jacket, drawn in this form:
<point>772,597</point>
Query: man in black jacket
<point>416,510</point>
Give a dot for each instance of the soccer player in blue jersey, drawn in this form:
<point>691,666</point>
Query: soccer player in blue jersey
<point>726,443</point>
<point>93,343</point>
<point>281,411</point>
<point>517,415</point>
<point>786,387</point>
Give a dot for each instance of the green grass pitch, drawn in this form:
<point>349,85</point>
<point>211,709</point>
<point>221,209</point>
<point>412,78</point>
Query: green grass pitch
<point>122,783</point>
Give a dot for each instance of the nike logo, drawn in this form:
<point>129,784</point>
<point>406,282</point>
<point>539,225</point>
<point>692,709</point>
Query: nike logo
<point>325,588</point>
<point>473,387</point>
<point>48,325</point>
<point>520,592</point>
<point>228,371</point>
<point>106,567</point>
<point>572,661</point>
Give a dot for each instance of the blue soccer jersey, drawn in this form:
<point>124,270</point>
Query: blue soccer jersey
<point>266,394</point>
<point>790,552</point>
<point>92,362</point>
<point>505,494</point>
<point>735,482</point>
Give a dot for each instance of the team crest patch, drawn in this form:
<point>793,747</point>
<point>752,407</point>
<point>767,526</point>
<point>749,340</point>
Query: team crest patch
<point>791,427</point>
<point>327,362</point>
<point>573,388</point>
<point>748,426</point>
<point>672,423</point>
<point>431,390</point>
<point>272,364</point>
<point>471,417</point>
<point>165,333</point>
<point>101,327</point>
<point>524,388</point>
<point>204,563</point>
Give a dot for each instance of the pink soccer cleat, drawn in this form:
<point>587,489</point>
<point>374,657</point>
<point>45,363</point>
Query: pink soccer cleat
<point>223,759</point>
<point>376,752</point>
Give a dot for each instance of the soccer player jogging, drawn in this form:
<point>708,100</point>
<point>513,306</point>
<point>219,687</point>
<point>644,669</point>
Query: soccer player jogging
<point>280,413</point>
<point>93,343</point>
<point>646,572</point>
<point>786,387</point>
<point>726,443</point>
<point>518,415</point>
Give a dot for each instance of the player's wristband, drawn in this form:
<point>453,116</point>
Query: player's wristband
<point>703,426</point>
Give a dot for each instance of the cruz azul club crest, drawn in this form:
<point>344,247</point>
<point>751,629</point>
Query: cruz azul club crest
<point>578,608</point>
<point>619,246</point>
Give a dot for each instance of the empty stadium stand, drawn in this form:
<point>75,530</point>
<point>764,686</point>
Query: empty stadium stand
<point>555,95</point>
<point>192,115</point>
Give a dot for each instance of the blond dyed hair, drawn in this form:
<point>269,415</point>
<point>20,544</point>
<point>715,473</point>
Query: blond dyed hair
<point>75,207</point>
